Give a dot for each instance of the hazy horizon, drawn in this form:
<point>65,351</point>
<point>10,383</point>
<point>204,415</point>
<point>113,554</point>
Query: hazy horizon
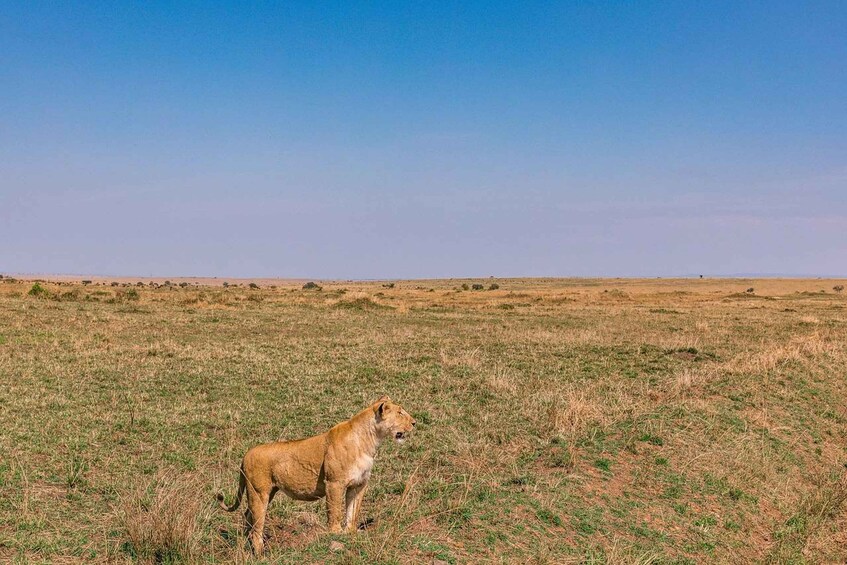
<point>443,140</point>
<point>176,277</point>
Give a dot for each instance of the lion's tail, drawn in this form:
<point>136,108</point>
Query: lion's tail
<point>242,485</point>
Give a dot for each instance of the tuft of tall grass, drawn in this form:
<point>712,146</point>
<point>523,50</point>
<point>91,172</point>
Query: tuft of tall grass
<point>816,508</point>
<point>165,521</point>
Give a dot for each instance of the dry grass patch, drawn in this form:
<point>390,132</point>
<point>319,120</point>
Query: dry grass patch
<point>470,358</point>
<point>569,412</point>
<point>800,349</point>
<point>813,515</point>
<point>167,520</point>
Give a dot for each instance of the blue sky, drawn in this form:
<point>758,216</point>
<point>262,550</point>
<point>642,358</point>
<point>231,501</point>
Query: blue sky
<point>347,140</point>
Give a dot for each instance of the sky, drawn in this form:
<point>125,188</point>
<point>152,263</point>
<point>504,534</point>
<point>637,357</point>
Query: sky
<point>419,140</point>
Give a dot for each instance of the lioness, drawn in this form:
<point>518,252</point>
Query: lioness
<point>335,464</point>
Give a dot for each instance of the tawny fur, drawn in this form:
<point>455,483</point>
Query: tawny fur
<point>336,465</point>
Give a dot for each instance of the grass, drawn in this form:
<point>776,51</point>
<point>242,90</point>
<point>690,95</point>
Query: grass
<point>571,420</point>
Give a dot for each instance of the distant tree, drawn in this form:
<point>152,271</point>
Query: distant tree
<point>311,286</point>
<point>115,283</point>
<point>750,290</point>
<point>494,286</point>
<point>86,283</point>
<point>838,288</point>
<point>226,284</point>
<point>254,286</point>
<point>183,284</point>
<point>477,287</point>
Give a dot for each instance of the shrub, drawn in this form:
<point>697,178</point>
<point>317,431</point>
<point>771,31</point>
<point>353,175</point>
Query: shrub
<point>86,283</point>
<point>477,287</point>
<point>465,286</point>
<point>69,296</point>
<point>838,288</point>
<point>311,286</point>
<point>362,304</point>
<point>38,291</point>
<point>389,285</point>
<point>226,284</point>
<point>254,286</point>
<point>749,290</point>
<point>494,286</point>
<point>129,294</point>
<point>115,283</point>
<point>183,284</point>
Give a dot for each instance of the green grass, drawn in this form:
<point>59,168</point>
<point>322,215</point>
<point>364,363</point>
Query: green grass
<point>557,422</point>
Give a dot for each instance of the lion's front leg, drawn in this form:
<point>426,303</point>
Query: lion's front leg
<point>354,504</point>
<point>335,492</point>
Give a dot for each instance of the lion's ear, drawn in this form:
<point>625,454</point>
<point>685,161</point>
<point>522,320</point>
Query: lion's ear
<point>380,409</point>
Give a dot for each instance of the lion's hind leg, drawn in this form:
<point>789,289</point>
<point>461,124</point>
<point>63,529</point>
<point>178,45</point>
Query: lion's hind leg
<point>257,509</point>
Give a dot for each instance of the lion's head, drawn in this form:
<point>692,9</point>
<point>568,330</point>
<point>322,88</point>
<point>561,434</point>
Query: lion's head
<point>392,420</point>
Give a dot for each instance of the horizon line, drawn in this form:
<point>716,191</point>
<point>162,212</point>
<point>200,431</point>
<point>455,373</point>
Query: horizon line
<point>704,276</point>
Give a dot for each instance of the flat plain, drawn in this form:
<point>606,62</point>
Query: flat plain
<point>559,420</point>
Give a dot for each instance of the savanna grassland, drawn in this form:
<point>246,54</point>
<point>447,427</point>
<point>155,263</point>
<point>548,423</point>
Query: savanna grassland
<point>569,420</point>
